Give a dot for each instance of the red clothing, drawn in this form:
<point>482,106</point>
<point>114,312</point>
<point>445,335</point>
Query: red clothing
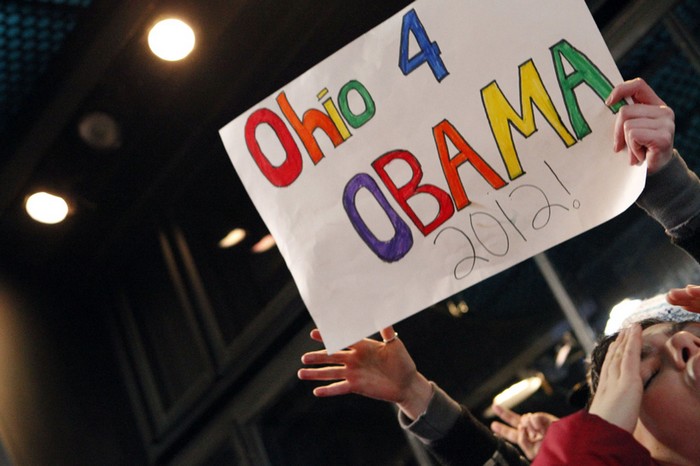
<point>584,439</point>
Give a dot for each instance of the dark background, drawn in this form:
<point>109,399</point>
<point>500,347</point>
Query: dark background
<point>128,337</point>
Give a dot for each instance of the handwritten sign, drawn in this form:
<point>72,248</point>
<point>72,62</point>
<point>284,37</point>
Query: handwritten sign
<point>451,142</point>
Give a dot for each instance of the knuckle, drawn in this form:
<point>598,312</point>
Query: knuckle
<point>624,113</point>
<point>669,112</point>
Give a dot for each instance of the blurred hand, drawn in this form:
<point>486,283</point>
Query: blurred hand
<point>527,430</point>
<point>381,370</point>
<point>688,298</point>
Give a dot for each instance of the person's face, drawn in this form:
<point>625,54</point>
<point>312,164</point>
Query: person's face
<point>669,417</point>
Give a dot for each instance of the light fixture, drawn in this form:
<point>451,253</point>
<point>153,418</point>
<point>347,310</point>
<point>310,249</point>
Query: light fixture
<point>100,131</point>
<point>564,351</point>
<point>457,309</point>
<point>233,237</point>
<point>516,393</point>
<point>266,243</point>
<point>171,39</point>
<point>46,208</point>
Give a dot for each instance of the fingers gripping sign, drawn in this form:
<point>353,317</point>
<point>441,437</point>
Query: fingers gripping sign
<point>388,335</point>
<point>646,127</point>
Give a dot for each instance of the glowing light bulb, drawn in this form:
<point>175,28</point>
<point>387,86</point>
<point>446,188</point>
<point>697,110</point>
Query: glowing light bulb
<point>46,208</point>
<point>518,392</point>
<point>233,237</point>
<point>266,243</point>
<point>171,39</point>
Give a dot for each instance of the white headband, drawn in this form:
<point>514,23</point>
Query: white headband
<point>630,312</point>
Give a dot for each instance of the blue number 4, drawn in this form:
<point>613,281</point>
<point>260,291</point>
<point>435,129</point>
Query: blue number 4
<point>429,51</point>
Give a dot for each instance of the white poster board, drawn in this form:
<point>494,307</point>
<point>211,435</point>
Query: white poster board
<point>454,140</point>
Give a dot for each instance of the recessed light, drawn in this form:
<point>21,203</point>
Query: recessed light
<point>100,131</point>
<point>46,208</point>
<point>233,237</point>
<point>266,243</point>
<point>171,39</point>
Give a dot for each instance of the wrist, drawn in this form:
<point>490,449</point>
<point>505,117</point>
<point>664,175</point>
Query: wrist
<point>416,397</point>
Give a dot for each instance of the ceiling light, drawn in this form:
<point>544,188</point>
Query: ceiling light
<point>518,392</point>
<point>46,208</point>
<point>99,131</point>
<point>266,243</point>
<point>171,39</point>
<point>564,350</point>
<point>562,355</point>
<point>457,309</point>
<point>233,237</point>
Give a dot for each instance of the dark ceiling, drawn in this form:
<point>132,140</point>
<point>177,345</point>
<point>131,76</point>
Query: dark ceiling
<point>62,60</point>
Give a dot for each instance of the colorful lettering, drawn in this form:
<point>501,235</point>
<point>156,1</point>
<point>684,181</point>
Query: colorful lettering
<point>404,193</point>
<point>332,112</point>
<point>402,241</point>
<point>356,120</point>
<point>502,116</point>
<point>445,130</point>
<point>313,119</point>
<point>586,72</point>
<point>290,169</point>
<point>429,51</point>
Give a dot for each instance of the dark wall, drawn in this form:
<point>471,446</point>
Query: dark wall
<point>61,400</point>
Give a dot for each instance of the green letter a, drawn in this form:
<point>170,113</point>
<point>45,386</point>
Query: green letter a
<point>585,71</point>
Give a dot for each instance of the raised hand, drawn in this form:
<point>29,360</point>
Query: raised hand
<point>527,430</point>
<point>381,370</point>
<point>646,127</point>
<point>688,298</point>
<point>619,394</point>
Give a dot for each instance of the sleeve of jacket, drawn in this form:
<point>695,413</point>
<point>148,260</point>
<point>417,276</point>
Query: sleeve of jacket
<point>672,197</point>
<point>584,438</point>
<point>455,437</point>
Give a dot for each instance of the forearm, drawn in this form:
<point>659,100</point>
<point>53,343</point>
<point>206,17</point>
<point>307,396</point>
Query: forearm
<point>436,420</point>
<point>456,437</point>
<point>672,197</point>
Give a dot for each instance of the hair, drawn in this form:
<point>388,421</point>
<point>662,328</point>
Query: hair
<point>601,350</point>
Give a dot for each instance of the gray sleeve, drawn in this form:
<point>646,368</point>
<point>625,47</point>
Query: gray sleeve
<point>672,197</point>
<point>439,417</point>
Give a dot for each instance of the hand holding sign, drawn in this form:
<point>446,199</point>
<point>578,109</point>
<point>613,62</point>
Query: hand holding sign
<point>646,129</point>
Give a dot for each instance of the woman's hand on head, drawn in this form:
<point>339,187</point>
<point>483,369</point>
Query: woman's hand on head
<point>646,127</point>
<point>620,387</point>
<point>382,370</point>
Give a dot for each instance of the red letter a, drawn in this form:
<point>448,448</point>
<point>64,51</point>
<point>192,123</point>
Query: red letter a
<point>444,130</point>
